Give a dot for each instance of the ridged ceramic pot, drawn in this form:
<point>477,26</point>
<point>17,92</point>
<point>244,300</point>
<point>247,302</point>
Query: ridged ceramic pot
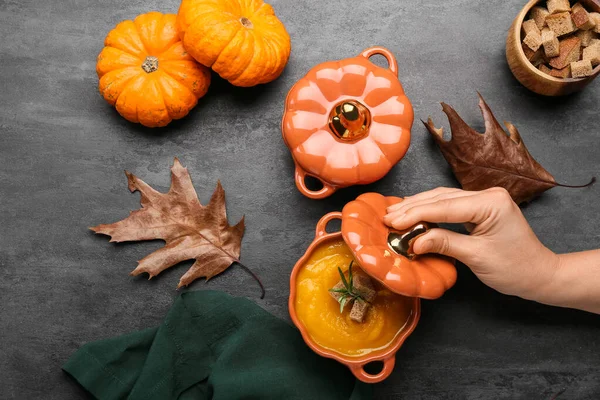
<point>347,123</point>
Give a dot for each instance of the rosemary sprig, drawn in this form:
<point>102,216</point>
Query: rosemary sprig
<point>348,292</point>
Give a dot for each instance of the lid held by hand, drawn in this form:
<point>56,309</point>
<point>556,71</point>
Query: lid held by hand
<point>347,122</point>
<point>379,250</point>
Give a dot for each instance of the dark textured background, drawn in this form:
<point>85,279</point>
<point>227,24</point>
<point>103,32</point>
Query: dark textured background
<point>63,151</point>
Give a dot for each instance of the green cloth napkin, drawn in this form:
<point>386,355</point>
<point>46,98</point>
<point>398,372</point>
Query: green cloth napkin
<point>212,346</point>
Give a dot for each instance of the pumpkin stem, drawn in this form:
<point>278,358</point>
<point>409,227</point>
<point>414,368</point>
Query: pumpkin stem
<point>246,22</point>
<point>150,64</point>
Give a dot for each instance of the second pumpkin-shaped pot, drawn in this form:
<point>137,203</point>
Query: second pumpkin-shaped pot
<point>347,123</point>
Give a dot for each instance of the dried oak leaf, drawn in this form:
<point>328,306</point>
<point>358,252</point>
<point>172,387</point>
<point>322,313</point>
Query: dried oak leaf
<point>190,230</point>
<point>493,158</point>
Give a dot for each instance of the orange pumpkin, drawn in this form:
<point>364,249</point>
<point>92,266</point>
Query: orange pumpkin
<point>347,122</point>
<point>241,40</point>
<point>363,230</point>
<point>146,74</point>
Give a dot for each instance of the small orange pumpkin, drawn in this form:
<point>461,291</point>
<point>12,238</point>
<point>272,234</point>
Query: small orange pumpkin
<point>146,74</point>
<point>241,40</point>
<point>347,122</point>
<point>363,230</point>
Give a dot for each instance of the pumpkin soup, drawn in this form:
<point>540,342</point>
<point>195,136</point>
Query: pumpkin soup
<point>320,313</point>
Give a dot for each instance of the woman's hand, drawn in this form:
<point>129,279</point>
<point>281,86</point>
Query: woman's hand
<point>501,250</point>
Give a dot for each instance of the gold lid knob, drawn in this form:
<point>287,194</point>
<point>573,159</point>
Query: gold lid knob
<point>349,120</point>
<point>402,243</point>
<point>350,112</point>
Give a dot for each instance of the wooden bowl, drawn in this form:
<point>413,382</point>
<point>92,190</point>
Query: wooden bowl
<point>531,77</point>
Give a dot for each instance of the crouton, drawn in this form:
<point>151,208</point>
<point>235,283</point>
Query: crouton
<point>581,69</point>
<point>533,41</point>
<point>594,42</point>
<point>361,285</point>
<point>585,37</point>
<point>337,295</point>
<point>561,73</point>
<point>359,311</point>
<point>582,18</point>
<point>534,57</point>
<point>550,43</point>
<point>364,285</point>
<point>530,26</point>
<point>561,23</point>
<point>539,15</point>
<point>570,51</point>
<point>596,18</point>
<point>544,68</point>
<point>558,6</point>
<point>592,54</point>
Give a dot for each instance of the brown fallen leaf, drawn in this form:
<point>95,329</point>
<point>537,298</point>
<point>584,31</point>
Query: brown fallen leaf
<point>190,230</point>
<point>493,158</point>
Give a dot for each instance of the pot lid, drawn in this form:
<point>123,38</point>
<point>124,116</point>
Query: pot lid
<point>379,250</point>
<point>347,122</point>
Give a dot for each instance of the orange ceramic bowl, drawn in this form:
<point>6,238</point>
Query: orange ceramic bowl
<point>347,123</point>
<point>356,364</point>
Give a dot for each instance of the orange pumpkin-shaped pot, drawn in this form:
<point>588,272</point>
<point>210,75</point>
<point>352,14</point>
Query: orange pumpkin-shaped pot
<point>347,122</point>
<point>363,230</point>
<point>146,74</point>
<point>242,41</point>
<point>386,355</point>
<point>372,246</point>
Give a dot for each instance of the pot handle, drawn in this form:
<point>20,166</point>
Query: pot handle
<point>322,224</point>
<point>371,51</point>
<point>327,190</point>
<point>363,376</point>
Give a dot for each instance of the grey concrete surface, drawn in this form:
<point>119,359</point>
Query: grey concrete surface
<point>63,151</point>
